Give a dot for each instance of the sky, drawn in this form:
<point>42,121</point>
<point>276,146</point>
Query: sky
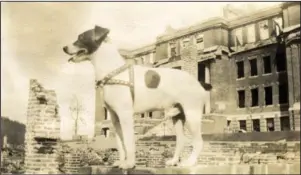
<point>33,34</point>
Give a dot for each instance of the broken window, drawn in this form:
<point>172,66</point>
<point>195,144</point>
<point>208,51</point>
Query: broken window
<point>256,125</point>
<point>142,115</point>
<point>200,42</point>
<point>240,69</point>
<point>268,91</point>
<point>238,37</point>
<point>106,113</point>
<point>280,61</point>
<point>267,65</point>
<point>283,93</point>
<point>105,132</point>
<point>144,60</point>
<point>185,42</point>
<point>172,51</point>
<point>228,122</point>
<point>285,123</point>
<point>201,72</point>
<point>241,98</point>
<point>270,124</point>
<point>254,93</point>
<point>253,66</point>
<point>150,114</point>
<point>251,33</point>
<point>264,30</point>
<point>243,125</point>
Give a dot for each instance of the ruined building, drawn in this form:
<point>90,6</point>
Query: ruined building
<point>251,60</point>
<point>42,131</point>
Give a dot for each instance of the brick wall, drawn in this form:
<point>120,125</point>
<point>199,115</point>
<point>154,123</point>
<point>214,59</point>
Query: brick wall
<point>222,98</point>
<point>42,131</point>
<point>155,153</point>
<point>260,81</point>
<point>221,169</point>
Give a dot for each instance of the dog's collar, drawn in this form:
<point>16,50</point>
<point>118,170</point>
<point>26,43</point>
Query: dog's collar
<point>107,80</point>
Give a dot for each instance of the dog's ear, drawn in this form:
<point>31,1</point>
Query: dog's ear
<point>100,33</point>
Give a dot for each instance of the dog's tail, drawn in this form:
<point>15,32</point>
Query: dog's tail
<point>206,86</point>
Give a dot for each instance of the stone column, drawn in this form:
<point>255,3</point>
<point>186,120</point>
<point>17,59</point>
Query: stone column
<point>275,87</point>
<point>249,124</point>
<point>296,71</point>
<point>296,114</point>
<point>291,117</point>
<point>263,124</point>
<point>290,76</point>
<point>234,124</point>
<point>277,123</point>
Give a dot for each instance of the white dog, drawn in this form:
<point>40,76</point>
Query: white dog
<point>153,89</point>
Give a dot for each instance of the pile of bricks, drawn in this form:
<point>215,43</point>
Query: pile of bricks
<point>42,131</point>
<point>72,163</point>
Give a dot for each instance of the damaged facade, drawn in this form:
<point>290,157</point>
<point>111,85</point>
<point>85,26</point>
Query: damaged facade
<point>251,61</point>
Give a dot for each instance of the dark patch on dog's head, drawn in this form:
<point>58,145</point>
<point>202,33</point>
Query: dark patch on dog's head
<point>91,39</point>
<point>86,43</point>
<point>152,79</point>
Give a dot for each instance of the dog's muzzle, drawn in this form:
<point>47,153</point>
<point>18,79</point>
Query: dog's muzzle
<point>71,59</point>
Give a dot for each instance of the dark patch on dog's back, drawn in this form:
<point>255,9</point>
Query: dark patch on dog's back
<point>206,86</point>
<point>152,79</point>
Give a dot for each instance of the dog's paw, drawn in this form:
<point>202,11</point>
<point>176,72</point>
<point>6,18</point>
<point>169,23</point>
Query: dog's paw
<point>188,163</point>
<point>125,165</point>
<point>172,162</point>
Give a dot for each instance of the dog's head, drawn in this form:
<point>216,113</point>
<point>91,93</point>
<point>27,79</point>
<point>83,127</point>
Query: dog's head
<point>86,44</point>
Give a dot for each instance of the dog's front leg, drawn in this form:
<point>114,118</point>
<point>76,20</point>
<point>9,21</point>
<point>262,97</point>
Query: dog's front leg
<point>127,126</point>
<point>117,127</point>
<point>179,128</point>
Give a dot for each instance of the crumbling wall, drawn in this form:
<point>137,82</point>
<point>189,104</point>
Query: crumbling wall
<point>42,131</point>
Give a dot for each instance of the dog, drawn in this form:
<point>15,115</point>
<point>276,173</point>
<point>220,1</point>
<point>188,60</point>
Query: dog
<point>174,89</point>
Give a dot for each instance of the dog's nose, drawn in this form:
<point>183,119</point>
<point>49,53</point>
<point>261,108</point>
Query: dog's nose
<point>65,49</point>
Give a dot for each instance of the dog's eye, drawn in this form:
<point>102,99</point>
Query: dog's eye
<point>80,37</point>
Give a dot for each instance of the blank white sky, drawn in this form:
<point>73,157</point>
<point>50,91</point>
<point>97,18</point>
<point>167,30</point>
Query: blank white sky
<point>33,34</point>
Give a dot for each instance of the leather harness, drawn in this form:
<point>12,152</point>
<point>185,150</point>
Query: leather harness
<point>108,80</point>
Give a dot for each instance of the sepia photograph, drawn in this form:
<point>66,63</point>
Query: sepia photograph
<point>154,87</point>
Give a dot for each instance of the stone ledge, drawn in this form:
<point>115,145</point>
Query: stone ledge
<point>225,169</point>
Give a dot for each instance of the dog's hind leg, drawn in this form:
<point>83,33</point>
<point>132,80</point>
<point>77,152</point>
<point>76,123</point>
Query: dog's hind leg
<point>193,118</point>
<point>117,127</point>
<point>127,125</point>
<point>178,125</point>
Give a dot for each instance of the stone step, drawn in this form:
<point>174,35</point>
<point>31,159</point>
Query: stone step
<point>225,169</point>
